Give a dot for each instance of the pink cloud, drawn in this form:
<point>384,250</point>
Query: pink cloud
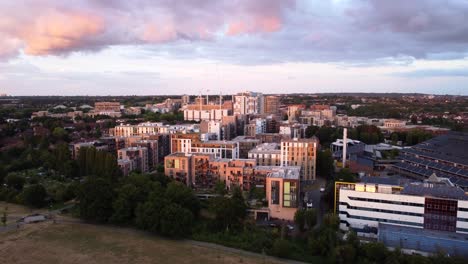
<point>60,32</point>
<point>56,27</point>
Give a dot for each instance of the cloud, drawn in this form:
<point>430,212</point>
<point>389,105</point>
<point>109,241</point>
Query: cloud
<point>360,32</point>
<point>430,73</point>
<point>59,32</point>
<point>57,27</point>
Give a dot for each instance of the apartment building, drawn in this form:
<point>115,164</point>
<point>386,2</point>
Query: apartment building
<point>147,128</point>
<point>218,148</point>
<point>248,103</point>
<point>300,152</point>
<point>282,192</point>
<point>232,172</point>
<point>183,142</point>
<point>294,111</point>
<point>266,154</point>
<point>245,145</point>
<point>207,112</point>
<point>138,156</point>
<point>153,150</point>
<point>435,212</point>
<point>271,105</point>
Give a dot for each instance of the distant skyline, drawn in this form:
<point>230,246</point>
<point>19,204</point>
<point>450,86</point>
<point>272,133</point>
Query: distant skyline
<point>155,47</point>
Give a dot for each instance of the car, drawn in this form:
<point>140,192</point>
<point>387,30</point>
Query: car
<point>290,227</point>
<point>322,189</point>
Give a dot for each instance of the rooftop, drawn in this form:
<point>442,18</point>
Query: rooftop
<point>449,147</point>
<point>286,172</point>
<point>434,189</point>
<point>266,147</point>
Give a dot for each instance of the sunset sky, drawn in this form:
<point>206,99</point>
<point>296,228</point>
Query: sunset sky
<point>144,47</point>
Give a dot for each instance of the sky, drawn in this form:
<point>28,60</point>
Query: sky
<point>153,47</point>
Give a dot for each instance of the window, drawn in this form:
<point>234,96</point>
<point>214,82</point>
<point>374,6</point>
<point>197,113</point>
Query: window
<point>289,194</point>
<point>275,192</point>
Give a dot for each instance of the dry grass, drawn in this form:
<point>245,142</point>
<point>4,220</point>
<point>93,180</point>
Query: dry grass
<point>15,211</point>
<point>69,242</point>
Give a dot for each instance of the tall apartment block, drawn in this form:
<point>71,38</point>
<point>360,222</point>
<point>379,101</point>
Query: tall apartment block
<point>300,152</point>
<point>248,103</point>
<point>271,105</point>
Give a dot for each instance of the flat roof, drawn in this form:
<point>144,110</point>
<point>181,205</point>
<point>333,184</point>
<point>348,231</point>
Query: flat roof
<point>438,190</point>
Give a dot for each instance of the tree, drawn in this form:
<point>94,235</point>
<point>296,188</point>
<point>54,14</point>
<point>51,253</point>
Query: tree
<point>148,214</point>
<point>34,195</point>
<point>180,194</point>
<point>310,217</point>
<point>375,252</point>
<point>176,221</point>
<point>299,219</point>
<point>59,133</point>
<point>125,204</point>
<point>220,188</point>
<point>345,175</point>
<point>96,196</point>
<point>325,163</point>
<point>282,248</point>
<point>229,212</point>
<point>345,254</point>
<point>14,180</point>
<point>311,131</point>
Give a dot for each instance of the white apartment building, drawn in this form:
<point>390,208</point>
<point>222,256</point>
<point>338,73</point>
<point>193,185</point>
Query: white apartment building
<point>205,114</point>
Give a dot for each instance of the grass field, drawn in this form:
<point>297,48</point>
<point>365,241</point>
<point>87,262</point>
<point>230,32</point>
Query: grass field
<point>69,241</point>
<point>15,211</point>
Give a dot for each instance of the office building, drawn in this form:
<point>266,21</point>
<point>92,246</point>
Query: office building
<point>387,209</point>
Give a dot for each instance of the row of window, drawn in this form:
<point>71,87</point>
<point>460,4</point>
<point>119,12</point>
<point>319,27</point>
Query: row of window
<point>462,209</point>
<point>384,201</point>
<point>462,219</point>
<point>379,210</point>
<point>380,219</point>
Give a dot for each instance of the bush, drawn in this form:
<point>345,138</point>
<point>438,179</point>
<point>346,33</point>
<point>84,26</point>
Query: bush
<point>34,195</point>
<point>282,248</point>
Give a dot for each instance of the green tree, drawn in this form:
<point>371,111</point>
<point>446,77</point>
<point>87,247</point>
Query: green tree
<point>282,248</point>
<point>220,188</point>
<point>310,217</point>
<point>325,163</point>
<point>34,195</point>
<point>299,219</point>
<point>148,214</point>
<point>180,194</point>
<point>345,254</point>
<point>15,181</point>
<point>96,196</point>
<point>59,133</point>
<point>345,175</point>
<point>375,252</point>
<point>176,221</point>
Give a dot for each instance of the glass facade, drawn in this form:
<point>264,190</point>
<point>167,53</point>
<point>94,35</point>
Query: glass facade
<point>290,194</point>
